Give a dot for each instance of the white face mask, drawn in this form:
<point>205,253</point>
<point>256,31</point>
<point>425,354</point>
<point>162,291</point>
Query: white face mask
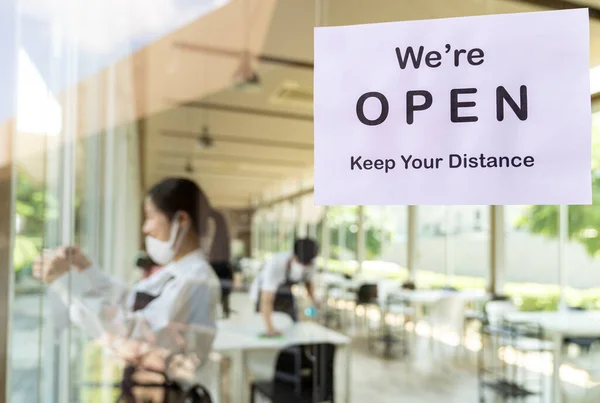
<point>163,252</point>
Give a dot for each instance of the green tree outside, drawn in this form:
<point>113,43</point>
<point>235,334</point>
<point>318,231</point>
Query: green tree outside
<point>584,221</point>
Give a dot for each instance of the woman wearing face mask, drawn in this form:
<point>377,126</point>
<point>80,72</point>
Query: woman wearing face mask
<point>174,309</point>
<point>272,289</point>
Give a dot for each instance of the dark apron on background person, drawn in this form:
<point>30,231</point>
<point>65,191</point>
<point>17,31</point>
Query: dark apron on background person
<point>284,298</point>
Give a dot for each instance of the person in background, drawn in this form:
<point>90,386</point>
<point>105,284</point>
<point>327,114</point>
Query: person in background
<point>220,258</point>
<point>171,314</point>
<point>272,289</point>
<point>147,265</point>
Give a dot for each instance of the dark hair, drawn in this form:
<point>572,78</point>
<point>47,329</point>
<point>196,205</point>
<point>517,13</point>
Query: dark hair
<point>145,262</point>
<point>178,194</point>
<point>305,250</point>
<point>220,247</point>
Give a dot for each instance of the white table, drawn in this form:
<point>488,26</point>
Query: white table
<point>560,325</point>
<point>236,339</point>
<point>422,298</point>
<point>430,297</point>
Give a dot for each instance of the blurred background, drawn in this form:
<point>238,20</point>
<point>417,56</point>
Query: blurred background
<point>102,99</point>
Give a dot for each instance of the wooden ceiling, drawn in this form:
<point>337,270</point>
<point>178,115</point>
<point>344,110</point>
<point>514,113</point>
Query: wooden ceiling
<point>263,138</point>
<point>260,139</point>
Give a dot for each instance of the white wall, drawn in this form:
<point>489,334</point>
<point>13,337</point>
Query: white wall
<point>529,258</point>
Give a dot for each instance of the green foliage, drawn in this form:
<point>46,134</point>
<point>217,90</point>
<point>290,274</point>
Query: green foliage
<point>35,206</point>
<point>584,221</point>
<point>343,219</point>
<point>25,251</point>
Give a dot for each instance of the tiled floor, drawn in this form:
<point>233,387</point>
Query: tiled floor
<point>417,378</point>
<point>423,377</point>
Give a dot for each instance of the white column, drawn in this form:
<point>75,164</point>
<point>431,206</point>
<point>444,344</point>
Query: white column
<point>497,250</point>
<point>341,240</point>
<point>7,238</point>
<point>326,238</point>
<point>360,238</point>
<point>383,225</point>
<point>563,236</point>
<point>411,242</point>
<point>448,249</point>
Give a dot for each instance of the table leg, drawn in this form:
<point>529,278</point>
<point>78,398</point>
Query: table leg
<point>348,373</point>
<point>556,396</point>
<point>237,380</point>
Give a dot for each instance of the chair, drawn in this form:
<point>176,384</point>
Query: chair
<point>494,312</point>
<point>509,382</point>
<point>189,366</point>
<point>334,289</point>
<point>583,343</point>
<point>447,315</point>
<point>495,375</point>
<point>313,380</point>
<point>389,303</point>
<point>174,392</point>
<point>261,363</point>
<point>590,362</point>
<point>367,296</point>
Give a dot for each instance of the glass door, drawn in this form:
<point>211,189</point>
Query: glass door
<point>75,181</point>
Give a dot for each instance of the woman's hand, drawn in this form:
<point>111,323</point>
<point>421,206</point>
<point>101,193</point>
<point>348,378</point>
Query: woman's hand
<point>78,260</point>
<point>272,333</point>
<point>53,264</point>
<point>50,265</point>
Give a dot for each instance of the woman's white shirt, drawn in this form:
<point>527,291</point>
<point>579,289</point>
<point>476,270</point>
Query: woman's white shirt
<point>182,317</point>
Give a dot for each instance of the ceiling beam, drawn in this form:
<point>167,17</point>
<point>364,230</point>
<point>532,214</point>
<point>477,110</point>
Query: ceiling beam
<point>224,138</point>
<point>231,204</point>
<point>205,172</point>
<point>174,171</point>
<point>200,165</point>
<point>243,159</point>
<point>268,113</point>
<point>193,47</point>
<point>564,5</point>
<point>287,198</point>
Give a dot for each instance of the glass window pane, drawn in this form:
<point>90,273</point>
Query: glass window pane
<point>583,247</point>
<point>532,255</point>
<point>385,230</point>
<point>343,229</point>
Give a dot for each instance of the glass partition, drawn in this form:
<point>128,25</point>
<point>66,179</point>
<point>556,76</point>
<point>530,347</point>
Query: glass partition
<point>385,234</point>
<point>77,183</point>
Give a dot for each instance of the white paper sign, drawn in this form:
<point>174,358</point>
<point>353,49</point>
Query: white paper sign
<point>475,110</point>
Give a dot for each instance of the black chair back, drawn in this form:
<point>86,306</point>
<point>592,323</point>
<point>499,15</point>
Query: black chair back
<point>367,294</point>
<point>314,372</point>
<point>585,343</point>
<point>409,286</point>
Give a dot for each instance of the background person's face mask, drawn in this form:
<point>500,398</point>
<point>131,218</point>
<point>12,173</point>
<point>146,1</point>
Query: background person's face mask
<point>163,252</point>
